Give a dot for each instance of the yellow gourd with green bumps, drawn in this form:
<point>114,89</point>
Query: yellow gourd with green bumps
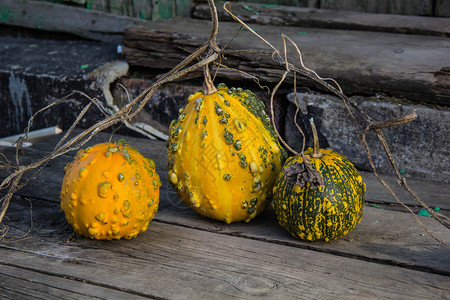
<point>223,155</point>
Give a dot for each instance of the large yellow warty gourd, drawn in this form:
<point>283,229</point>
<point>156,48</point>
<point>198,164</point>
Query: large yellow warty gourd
<point>223,155</point>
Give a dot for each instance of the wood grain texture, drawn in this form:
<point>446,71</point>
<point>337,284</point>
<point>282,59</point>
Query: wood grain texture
<point>328,18</point>
<point>175,262</point>
<point>384,236</point>
<point>89,24</point>
<point>433,193</point>
<point>401,7</point>
<point>405,66</point>
<point>442,8</point>
<point>405,7</point>
<point>21,283</point>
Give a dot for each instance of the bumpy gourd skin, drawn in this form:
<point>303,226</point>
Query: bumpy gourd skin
<point>223,155</point>
<point>328,212</point>
<point>110,191</point>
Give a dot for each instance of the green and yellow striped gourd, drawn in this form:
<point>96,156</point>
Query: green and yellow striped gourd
<point>325,213</point>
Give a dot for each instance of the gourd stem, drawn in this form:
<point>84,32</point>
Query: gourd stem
<point>209,85</point>
<point>316,149</point>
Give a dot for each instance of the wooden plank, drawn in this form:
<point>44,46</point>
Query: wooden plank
<point>183,8</point>
<point>175,262</point>
<point>328,18</point>
<point>401,65</point>
<point>404,7</point>
<point>144,9</point>
<point>306,3</point>
<point>137,8</point>
<point>385,236</point>
<point>433,193</point>
<point>21,283</point>
<point>141,9</point>
<point>62,18</point>
<point>442,8</point>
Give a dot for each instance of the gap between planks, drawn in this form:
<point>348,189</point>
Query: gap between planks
<point>385,237</point>
<point>177,262</point>
<point>378,238</point>
<point>31,284</point>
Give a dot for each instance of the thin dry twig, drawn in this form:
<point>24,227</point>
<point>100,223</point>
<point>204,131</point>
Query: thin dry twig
<point>26,235</point>
<point>369,155</point>
<point>296,113</point>
<point>377,127</point>
<point>12,182</point>
<point>211,53</point>
<point>246,74</point>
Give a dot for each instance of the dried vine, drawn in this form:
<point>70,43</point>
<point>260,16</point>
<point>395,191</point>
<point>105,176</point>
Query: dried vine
<point>130,110</point>
<point>371,125</point>
<point>207,54</point>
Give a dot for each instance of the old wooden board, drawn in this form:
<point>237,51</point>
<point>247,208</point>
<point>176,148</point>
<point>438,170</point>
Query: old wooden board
<point>170,261</point>
<point>62,18</point>
<point>144,9</point>
<point>435,194</point>
<point>408,7</point>
<point>385,236</point>
<point>327,18</point>
<point>32,284</point>
<point>413,7</point>
<point>407,66</point>
<point>182,247</point>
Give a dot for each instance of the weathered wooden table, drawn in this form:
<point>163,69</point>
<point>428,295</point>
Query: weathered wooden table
<point>185,256</point>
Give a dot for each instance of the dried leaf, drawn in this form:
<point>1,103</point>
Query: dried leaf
<point>302,173</point>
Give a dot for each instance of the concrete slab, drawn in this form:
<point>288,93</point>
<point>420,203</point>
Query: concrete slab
<point>33,73</point>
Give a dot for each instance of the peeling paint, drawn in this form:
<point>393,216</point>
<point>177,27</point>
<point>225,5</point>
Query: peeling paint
<point>6,13</point>
<point>20,99</point>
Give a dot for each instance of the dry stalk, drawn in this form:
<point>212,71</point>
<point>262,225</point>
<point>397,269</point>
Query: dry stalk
<point>336,89</point>
<point>12,182</point>
<point>207,54</point>
<point>11,239</point>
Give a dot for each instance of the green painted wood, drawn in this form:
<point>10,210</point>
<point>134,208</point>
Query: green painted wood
<point>183,8</point>
<point>163,9</point>
<point>301,3</point>
<point>52,17</point>
<point>143,9</point>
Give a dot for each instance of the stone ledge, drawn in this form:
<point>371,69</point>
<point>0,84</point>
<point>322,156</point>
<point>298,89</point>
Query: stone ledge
<point>34,73</point>
<point>421,147</point>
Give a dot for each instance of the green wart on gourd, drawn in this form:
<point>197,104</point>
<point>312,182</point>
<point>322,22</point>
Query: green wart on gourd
<point>219,154</point>
<point>91,204</point>
<point>325,206</point>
